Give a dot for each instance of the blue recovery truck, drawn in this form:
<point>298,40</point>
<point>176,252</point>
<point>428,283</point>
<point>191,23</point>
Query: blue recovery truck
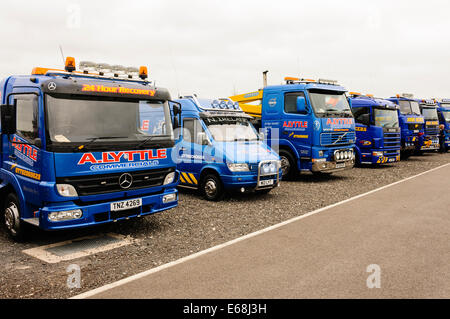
<point>309,122</point>
<point>377,129</point>
<point>411,123</point>
<point>73,152</point>
<point>428,108</point>
<point>444,123</point>
<point>218,150</point>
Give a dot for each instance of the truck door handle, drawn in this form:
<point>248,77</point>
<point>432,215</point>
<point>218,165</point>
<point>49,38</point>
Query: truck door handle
<point>13,157</point>
<point>182,149</point>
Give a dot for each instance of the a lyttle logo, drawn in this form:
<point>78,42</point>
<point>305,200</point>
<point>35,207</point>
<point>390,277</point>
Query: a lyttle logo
<point>125,180</point>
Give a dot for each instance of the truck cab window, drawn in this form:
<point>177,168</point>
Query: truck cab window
<point>358,111</point>
<point>290,102</point>
<point>191,127</point>
<point>27,117</point>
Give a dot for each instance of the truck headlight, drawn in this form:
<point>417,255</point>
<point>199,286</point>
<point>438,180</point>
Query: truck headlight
<point>66,190</point>
<point>377,153</point>
<point>65,215</point>
<point>269,168</point>
<point>238,167</point>
<point>169,178</point>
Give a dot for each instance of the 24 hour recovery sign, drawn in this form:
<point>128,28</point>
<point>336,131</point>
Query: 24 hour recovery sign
<point>117,90</point>
<point>133,159</point>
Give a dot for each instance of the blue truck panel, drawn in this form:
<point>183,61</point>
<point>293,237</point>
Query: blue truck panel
<point>65,165</point>
<point>310,124</point>
<point>411,124</point>
<point>378,135</point>
<point>444,123</point>
<point>218,150</point>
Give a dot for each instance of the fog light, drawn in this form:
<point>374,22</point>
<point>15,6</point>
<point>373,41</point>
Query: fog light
<point>169,198</point>
<point>242,189</point>
<point>65,215</point>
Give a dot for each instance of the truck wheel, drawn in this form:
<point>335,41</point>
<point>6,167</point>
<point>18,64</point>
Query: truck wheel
<point>212,188</point>
<point>288,165</point>
<point>11,217</point>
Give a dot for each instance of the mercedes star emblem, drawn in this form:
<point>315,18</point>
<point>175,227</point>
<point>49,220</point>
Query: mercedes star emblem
<point>51,86</point>
<point>125,180</point>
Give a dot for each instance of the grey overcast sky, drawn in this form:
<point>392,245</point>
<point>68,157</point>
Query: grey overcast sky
<point>216,47</point>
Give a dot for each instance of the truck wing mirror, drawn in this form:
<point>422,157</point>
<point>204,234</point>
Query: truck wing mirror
<point>364,119</point>
<point>301,104</point>
<point>202,139</point>
<point>176,107</point>
<point>8,118</point>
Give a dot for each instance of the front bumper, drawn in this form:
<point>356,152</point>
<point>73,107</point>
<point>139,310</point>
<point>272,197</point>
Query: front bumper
<point>100,213</point>
<point>431,144</point>
<point>332,166</point>
<point>250,182</point>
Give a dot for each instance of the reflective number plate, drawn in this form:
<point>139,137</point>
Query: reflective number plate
<point>340,165</point>
<point>126,204</point>
<point>265,182</point>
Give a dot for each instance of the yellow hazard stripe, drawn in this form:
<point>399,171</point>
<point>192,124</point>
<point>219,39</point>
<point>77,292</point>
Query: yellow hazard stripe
<point>193,178</point>
<point>186,177</point>
<point>182,179</point>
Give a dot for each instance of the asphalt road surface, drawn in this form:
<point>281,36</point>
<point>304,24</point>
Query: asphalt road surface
<point>396,238</point>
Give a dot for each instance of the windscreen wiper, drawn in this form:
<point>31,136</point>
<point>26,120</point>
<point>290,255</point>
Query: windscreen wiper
<point>93,139</point>
<point>148,139</point>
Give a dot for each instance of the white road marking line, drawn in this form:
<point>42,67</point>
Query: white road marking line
<point>93,292</point>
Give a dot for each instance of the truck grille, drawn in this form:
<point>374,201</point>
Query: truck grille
<point>108,183</point>
<point>392,140</point>
<point>337,138</point>
<point>431,130</point>
<point>414,127</point>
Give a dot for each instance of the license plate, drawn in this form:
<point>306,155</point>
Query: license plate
<point>392,160</point>
<point>126,204</point>
<point>266,182</point>
<point>340,165</point>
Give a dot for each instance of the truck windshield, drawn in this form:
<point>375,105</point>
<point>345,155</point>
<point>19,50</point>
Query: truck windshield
<point>429,113</point>
<point>231,129</point>
<point>329,103</point>
<point>94,121</point>
<point>446,115</point>
<point>386,118</point>
<point>409,107</point>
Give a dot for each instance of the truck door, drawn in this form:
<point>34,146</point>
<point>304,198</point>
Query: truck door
<point>24,160</point>
<point>191,152</point>
<point>296,127</point>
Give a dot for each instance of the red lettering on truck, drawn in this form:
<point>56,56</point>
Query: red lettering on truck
<point>114,157</point>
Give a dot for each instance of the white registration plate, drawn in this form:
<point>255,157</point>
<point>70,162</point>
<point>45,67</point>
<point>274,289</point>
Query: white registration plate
<point>266,182</point>
<point>126,204</point>
<point>340,165</point>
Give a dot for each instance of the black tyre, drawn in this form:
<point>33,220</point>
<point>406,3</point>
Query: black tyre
<point>288,165</point>
<point>11,218</point>
<point>212,188</point>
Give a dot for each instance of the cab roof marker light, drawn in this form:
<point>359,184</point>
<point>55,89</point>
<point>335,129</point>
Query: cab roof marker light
<point>354,93</point>
<point>325,81</point>
<point>143,72</point>
<point>70,64</point>
<point>291,79</point>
